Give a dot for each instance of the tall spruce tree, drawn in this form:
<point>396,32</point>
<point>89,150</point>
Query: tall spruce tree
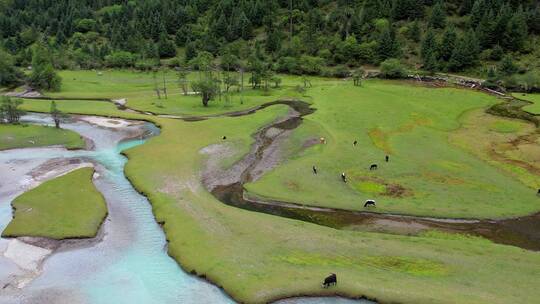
<point>429,52</point>
<point>516,32</point>
<point>448,43</point>
<point>485,31</point>
<point>466,52</point>
<point>388,46</point>
<point>438,15</point>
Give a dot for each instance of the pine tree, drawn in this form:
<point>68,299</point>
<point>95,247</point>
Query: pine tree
<point>486,30</point>
<point>191,50</point>
<point>429,44</point>
<point>431,64</point>
<point>448,43</point>
<point>43,75</point>
<point>507,67</point>
<point>501,22</point>
<point>273,40</point>
<point>466,7</point>
<point>429,52</point>
<point>166,47</point>
<point>516,32</point>
<point>414,32</point>
<point>533,19</point>
<point>9,75</point>
<point>371,9</point>
<point>438,16</point>
<point>477,12</point>
<point>466,52</point>
<point>388,46</point>
<point>472,48</point>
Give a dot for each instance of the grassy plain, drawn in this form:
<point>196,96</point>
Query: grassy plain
<point>66,207</point>
<point>138,89</point>
<point>258,257</point>
<point>24,136</point>
<point>534,98</point>
<point>427,174</point>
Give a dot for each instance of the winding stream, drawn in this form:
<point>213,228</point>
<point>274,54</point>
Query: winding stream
<point>522,232</point>
<point>128,261</point>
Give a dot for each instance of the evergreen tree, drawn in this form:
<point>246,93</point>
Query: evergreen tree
<point>466,52</point>
<point>497,53</point>
<point>533,20</point>
<point>516,32</point>
<point>43,75</point>
<point>166,47</point>
<point>429,52</point>
<point>191,51</point>
<point>438,15</point>
<point>448,43</point>
<point>273,40</point>
<point>9,75</point>
<point>371,9</point>
<point>387,44</point>
<point>429,44</point>
<point>507,67</point>
<point>477,12</point>
<point>430,63</point>
<point>485,30</point>
<point>466,7</point>
<point>414,32</point>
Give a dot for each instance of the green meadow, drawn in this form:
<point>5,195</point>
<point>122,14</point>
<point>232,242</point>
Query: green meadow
<point>68,206</point>
<point>427,174</point>
<point>138,89</point>
<point>433,170</point>
<point>25,136</point>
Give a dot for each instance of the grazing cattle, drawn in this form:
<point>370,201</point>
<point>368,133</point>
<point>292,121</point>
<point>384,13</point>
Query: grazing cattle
<point>330,280</point>
<point>343,177</point>
<point>538,193</point>
<point>369,203</point>
<point>373,167</point>
<point>387,158</point>
<point>323,140</point>
<point>355,143</point>
<point>224,137</point>
<point>314,170</point>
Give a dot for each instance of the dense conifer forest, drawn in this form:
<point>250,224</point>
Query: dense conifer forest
<point>493,39</point>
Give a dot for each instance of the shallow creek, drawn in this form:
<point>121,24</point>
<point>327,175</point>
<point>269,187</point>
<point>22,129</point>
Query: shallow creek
<point>127,262</point>
<point>228,187</point>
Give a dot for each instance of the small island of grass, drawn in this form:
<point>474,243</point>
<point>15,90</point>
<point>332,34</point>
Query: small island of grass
<point>26,136</point>
<point>69,206</point>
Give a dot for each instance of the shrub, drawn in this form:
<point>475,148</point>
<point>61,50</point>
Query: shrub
<point>289,65</point>
<point>120,59</point>
<point>311,65</point>
<point>393,69</point>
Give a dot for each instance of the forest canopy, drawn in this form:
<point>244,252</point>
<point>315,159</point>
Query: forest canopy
<point>293,36</point>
